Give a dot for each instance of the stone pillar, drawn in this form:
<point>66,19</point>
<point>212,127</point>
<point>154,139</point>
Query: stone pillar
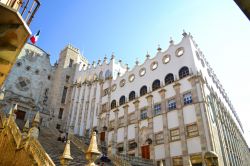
<point>150,124</point>
<point>99,109</point>
<point>162,93</point>
<point>194,80</point>
<point>125,128</point>
<point>137,127</point>
<point>179,106</point>
<point>115,130</point>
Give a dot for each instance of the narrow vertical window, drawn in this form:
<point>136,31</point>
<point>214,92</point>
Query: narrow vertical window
<point>60,113</point>
<point>65,89</point>
<point>71,61</point>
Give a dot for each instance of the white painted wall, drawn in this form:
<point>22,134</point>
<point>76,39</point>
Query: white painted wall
<point>159,152</point>
<point>120,135</point>
<point>131,131</point>
<point>194,145</point>
<point>175,148</point>
<point>158,124</point>
<point>189,114</point>
<point>173,119</point>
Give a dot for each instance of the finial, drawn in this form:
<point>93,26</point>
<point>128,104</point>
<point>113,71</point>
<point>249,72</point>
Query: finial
<point>112,55</point>
<point>93,63</point>
<point>99,61</point>
<point>137,61</point>
<point>127,68</point>
<point>171,41</point>
<point>66,157</point>
<point>92,152</point>
<point>88,66</point>
<point>184,34</point>
<point>15,108</point>
<point>37,117</point>
<point>105,58</point>
<point>159,48</point>
<point>120,61</point>
<point>147,55</point>
<point>26,126</point>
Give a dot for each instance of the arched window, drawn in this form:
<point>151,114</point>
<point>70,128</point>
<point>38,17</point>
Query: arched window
<point>156,85</point>
<point>169,78</point>
<point>183,72</point>
<point>122,100</point>
<point>143,90</point>
<point>131,96</point>
<point>101,75</point>
<point>107,74</point>
<point>113,104</point>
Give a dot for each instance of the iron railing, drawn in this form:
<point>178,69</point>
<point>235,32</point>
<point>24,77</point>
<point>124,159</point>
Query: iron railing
<point>27,8</point>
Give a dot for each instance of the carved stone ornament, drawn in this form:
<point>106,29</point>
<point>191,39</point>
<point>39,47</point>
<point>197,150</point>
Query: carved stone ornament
<point>23,83</point>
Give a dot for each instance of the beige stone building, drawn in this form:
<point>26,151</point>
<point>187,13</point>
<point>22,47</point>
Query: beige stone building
<point>171,108</point>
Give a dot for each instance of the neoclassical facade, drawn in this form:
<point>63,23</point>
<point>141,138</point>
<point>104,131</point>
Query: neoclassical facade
<point>170,108</point>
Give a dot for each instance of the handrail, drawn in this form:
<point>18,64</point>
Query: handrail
<point>77,142</point>
<point>118,161</point>
<point>39,154</point>
<point>136,160</point>
<point>31,144</point>
<point>26,8</point>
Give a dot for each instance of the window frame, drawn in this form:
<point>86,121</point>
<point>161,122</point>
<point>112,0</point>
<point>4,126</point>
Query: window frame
<point>187,98</point>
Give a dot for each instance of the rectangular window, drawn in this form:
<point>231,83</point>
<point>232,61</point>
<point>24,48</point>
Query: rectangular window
<point>67,78</point>
<point>192,130</point>
<point>65,89</point>
<point>71,61</point>
<point>177,161</point>
<point>157,109</point>
<point>132,145</point>
<point>60,113</point>
<point>144,114</point>
<point>175,134</point>
<point>187,98</point>
<point>58,126</point>
<point>171,104</point>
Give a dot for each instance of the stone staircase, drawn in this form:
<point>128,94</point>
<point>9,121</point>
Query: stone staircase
<point>55,148</point>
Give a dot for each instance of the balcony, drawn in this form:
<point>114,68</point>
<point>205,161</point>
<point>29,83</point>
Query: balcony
<point>15,18</point>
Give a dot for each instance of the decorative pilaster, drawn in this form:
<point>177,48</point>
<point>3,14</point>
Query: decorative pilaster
<point>125,128</point>
<point>150,124</point>
<point>115,130</point>
<point>186,158</point>
<point>162,93</point>
<point>194,81</point>
<point>137,135</point>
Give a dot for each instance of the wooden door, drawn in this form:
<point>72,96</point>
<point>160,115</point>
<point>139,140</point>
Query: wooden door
<point>102,136</point>
<point>145,151</point>
<point>20,115</point>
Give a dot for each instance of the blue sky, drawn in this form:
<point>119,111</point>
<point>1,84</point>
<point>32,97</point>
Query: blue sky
<point>130,28</point>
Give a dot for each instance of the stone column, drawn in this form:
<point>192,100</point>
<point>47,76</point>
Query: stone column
<point>137,127</point>
<point>125,107</point>
<point>115,130</point>
<point>179,106</point>
<point>150,124</point>
<point>99,109</point>
<point>162,93</point>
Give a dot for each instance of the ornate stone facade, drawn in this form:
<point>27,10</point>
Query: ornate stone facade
<point>171,108</point>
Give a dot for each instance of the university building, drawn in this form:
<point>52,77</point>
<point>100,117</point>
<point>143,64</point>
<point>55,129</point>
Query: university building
<point>171,108</point>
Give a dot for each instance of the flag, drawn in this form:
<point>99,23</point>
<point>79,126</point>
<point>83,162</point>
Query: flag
<point>35,37</point>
